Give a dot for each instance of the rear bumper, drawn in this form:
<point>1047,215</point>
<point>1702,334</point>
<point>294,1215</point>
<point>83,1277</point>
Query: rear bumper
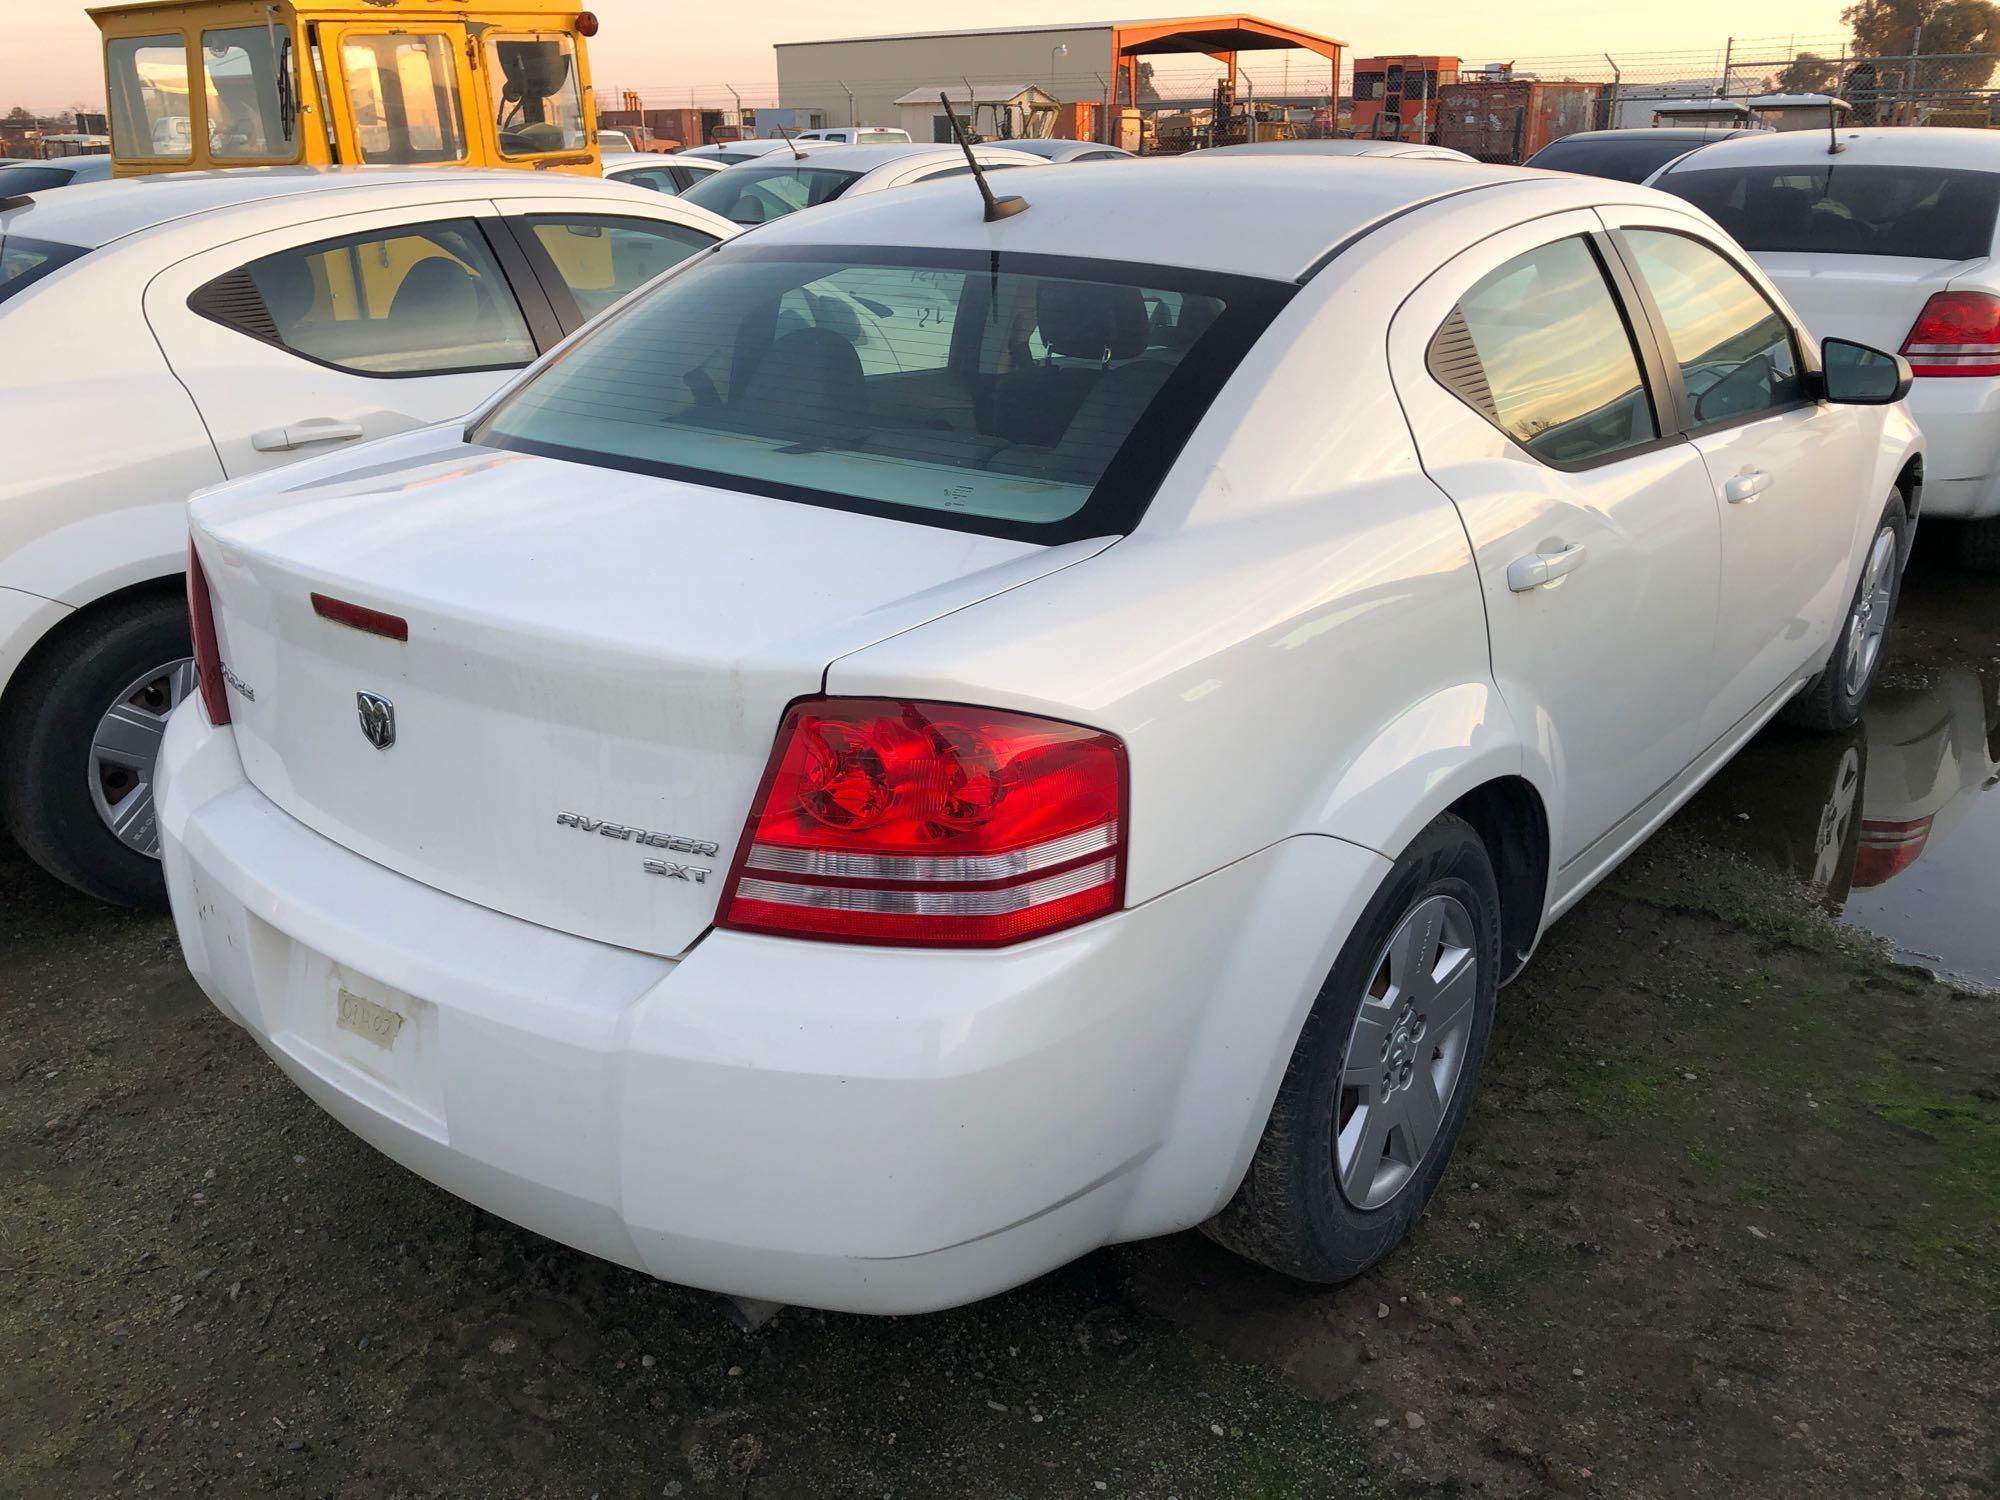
<point>1960,419</point>
<point>845,1127</point>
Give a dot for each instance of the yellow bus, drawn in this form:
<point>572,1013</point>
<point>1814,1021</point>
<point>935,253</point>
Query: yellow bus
<point>198,84</point>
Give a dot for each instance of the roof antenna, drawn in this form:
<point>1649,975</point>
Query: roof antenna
<point>785,136</point>
<point>996,208</point>
<point>1833,146</point>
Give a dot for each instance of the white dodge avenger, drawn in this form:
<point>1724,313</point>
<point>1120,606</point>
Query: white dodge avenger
<point>929,740</point>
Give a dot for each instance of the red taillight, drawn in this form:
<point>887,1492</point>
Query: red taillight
<point>1957,333</point>
<point>207,656</point>
<point>930,824</point>
<point>1887,849</point>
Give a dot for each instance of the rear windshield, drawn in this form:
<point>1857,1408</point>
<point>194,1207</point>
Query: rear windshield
<point>1632,160</point>
<point>1029,396</point>
<point>23,262</point>
<point>756,195</point>
<point>1841,208</point>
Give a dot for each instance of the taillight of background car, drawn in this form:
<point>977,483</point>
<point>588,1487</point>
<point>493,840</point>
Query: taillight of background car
<point>207,655</point>
<point>1957,333</point>
<point>930,824</point>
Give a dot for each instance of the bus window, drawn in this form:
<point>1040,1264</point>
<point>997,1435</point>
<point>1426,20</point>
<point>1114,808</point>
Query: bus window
<point>540,107</point>
<point>404,92</point>
<point>149,98</point>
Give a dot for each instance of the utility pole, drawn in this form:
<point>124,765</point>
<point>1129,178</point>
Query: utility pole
<point>1916,61</point>
<point>1610,121</point>
<point>1728,57</point>
<point>850,100</point>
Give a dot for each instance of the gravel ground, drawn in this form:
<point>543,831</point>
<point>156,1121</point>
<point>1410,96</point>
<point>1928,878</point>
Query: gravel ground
<point>1726,1219</point>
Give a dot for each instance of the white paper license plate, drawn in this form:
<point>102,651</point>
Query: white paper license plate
<point>367,1020</point>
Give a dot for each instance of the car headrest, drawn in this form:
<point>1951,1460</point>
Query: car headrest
<point>438,290</point>
<point>1092,320</point>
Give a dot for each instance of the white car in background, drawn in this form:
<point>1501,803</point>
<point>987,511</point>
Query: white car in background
<point>18,177</point>
<point>171,333</point>
<point>1406,150</point>
<point>864,835</point>
<point>1050,149</point>
<point>857,135</point>
<point>1891,241</point>
<point>774,186</point>
<point>729,153</point>
<point>672,175</point>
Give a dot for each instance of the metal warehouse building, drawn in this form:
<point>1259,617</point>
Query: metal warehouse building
<point>1092,70</point>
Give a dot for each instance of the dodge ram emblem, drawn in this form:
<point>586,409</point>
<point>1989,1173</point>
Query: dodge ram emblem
<point>378,719</point>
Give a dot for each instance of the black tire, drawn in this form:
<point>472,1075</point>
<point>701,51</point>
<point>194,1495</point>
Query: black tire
<point>1290,1213</point>
<point>54,708</point>
<point>1827,705</point>
<point>1979,545</point>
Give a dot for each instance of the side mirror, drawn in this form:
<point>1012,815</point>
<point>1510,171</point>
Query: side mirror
<point>1856,375</point>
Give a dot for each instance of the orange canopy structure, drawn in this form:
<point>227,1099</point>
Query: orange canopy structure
<point>1219,37</point>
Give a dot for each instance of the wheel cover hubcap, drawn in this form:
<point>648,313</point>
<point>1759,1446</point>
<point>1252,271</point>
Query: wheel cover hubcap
<point>124,747</point>
<point>1870,620</point>
<point>1405,1056</point>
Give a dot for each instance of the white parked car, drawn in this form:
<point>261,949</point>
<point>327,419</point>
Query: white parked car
<point>857,135</point>
<point>18,177</point>
<point>166,334</point>
<point>728,153</point>
<point>864,835</point>
<point>774,186</point>
<point>672,175</point>
<point>1892,242</point>
<point>1409,150</point>
<point>1050,149</point>
<point>610,141</point>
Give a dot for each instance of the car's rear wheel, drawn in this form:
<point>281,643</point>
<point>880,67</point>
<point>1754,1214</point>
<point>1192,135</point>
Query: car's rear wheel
<point>83,729</point>
<point>1383,1073</point>
<point>1834,699</point>
<point>1979,545</point>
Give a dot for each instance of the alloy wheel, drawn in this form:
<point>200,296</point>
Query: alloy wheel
<point>124,747</point>
<point>1406,1054</point>
<point>1870,620</point>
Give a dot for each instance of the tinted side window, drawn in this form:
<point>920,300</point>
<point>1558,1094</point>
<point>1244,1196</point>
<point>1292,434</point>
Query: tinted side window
<point>600,258</point>
<point>1540,349</point>
<point>1734,350</point>
<point>659,179</point>
<point>423,300</point>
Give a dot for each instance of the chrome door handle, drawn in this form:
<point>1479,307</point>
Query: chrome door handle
<point>1746,486</point>
<point>1538,568</point>
<point>298,434</point>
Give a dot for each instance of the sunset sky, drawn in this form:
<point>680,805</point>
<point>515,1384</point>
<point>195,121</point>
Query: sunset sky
<point>51,59</point>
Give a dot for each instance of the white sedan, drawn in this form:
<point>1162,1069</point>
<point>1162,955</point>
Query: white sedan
<point>863,835</point>
<point>1356,146</point>
<point>1894,240</point>
<point>756,192</point>
<point>167,334</point>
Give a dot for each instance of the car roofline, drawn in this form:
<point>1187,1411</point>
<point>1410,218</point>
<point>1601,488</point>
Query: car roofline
<point>1355,236</point>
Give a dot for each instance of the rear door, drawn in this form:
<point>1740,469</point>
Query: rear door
<point>299,340</point>
<point>1783,466</point>
<point>1532,405</point>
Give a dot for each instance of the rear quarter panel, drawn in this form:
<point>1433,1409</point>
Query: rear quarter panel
<point>1291,642</point>
<point>102,445</point>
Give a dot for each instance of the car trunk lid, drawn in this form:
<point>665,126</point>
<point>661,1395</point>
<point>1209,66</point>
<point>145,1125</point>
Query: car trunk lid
<point>1872,299</point>
<point>595,667</point>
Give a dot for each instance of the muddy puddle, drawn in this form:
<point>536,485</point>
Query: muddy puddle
<point>1896,825</point>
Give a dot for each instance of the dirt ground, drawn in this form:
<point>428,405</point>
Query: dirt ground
<point>1726,1219</point>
